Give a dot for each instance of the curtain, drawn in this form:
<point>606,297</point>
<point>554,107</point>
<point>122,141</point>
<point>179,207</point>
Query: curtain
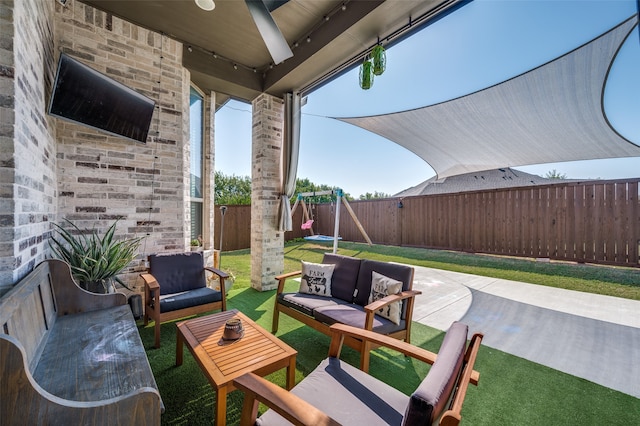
<point>289,158</point>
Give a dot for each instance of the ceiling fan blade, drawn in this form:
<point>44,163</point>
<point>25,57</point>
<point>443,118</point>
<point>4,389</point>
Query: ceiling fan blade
<point>273,38</point>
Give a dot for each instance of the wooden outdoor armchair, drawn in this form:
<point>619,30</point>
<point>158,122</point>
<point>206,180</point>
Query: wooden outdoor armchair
<point>337,393</point>
<point>176,287</point>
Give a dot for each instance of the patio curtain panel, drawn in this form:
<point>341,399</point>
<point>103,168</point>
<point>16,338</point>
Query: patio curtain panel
<point>553,113</point>
<point>289,160</point>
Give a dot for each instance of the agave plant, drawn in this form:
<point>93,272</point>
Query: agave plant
<point>95,261</point>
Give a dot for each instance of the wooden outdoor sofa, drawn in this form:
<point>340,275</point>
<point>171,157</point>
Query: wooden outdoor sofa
<point>337,393</point>
<point>348,300</point>
<point>68,356</point>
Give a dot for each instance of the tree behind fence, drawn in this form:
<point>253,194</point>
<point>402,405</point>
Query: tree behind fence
<point>596,221</point>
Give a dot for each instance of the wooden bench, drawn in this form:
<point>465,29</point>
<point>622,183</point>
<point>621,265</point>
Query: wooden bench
<point>68,356</point>
<point>337,393</point>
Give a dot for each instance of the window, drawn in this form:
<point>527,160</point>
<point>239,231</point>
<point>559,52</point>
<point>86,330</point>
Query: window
<point>196,137</point>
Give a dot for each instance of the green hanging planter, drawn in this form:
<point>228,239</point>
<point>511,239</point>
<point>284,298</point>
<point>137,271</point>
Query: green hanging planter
<point>366,74</point>
<point>379,57</point>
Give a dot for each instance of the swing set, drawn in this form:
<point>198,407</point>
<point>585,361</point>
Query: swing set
<point>307,217</point>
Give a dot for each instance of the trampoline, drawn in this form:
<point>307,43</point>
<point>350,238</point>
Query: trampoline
<point>320,238</point>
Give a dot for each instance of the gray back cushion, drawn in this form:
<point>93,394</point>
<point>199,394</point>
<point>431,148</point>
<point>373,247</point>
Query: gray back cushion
<point>177,272</point>
<point>429,401</point>
<point>345,275</point>
<point>402,273</point>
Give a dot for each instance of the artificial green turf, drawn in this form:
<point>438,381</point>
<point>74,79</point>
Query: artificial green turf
<point>512,391</point>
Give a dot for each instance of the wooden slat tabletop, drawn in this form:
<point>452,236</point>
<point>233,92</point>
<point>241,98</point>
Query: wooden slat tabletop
<point>255,351</point>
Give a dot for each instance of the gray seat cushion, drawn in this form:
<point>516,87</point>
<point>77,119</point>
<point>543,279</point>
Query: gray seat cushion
<point>432,396</point>
<point>354,315</point>
<point>306,303</point>
<point>348,395</point>
<point>188,299</point>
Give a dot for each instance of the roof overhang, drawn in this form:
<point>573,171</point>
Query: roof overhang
<point>225,53</point>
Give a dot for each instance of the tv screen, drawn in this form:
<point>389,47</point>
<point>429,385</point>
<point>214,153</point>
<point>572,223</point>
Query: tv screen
<point>83,95</point>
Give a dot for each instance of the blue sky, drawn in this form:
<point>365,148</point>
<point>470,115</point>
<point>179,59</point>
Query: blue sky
<point>481,44</point>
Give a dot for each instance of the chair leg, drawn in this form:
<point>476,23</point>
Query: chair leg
<point>249,410</point>
<point>276,318</point>
<point>157,333</point>
<point>365,353</point>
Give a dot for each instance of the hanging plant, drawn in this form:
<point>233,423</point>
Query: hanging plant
<point>366,74</point>
<point>379,59</point>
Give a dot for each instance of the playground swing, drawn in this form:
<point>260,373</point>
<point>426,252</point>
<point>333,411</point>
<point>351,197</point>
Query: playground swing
<point>308,220</point>
<point>307,217</point>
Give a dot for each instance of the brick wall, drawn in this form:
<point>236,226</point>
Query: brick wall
<point>101,177</point>
<point>51,169</point>
<point>27,146</point>
<point>209,165</point>
<point>267,243</point>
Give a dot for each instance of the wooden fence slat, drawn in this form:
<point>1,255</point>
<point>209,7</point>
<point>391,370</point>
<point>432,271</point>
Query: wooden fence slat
<point>599,219</point>
<point>561,219</point>
<point>631,228</point>
<point>608,217</point>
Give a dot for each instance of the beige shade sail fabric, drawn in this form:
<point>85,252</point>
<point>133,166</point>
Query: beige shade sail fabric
<point>553,113</point>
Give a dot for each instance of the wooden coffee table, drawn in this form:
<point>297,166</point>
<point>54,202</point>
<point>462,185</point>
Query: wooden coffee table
<point>258,351</point>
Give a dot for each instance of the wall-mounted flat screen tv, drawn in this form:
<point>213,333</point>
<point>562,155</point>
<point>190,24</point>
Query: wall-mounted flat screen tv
<point>83,95</point>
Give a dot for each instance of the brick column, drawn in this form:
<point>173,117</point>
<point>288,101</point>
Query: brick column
<point>267,243</point>
<point>209,170</point>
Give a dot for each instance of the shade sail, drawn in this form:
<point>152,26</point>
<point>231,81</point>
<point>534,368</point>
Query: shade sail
<point>553,113</point>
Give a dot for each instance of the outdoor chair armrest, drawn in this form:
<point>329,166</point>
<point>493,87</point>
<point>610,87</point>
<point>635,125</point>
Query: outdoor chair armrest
<point>151,291</point>
<point>374,306</point>
<point>222,276</point>
<point>150,282</point>
<point>283,277</point>
<point>380,303</point>
<point>218,272</point>
<point>291,407</point>
<point>339,331</point>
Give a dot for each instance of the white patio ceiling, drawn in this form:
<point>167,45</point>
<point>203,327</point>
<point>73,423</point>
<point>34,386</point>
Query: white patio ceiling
<point>553,113</point>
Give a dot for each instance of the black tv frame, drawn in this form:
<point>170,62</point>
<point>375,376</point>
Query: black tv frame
<point>85,96</point>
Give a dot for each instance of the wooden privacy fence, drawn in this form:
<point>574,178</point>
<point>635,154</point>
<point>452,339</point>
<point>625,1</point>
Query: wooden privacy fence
<point>596,222</point>
<point>237,228</point>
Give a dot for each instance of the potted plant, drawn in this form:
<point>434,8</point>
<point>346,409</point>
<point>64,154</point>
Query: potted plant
<point>214,281</point>
<point>197,243</point>
<point>95,260</point>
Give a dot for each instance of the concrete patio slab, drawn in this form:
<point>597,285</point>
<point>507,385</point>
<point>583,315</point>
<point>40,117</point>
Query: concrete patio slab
<point>586,335</point>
